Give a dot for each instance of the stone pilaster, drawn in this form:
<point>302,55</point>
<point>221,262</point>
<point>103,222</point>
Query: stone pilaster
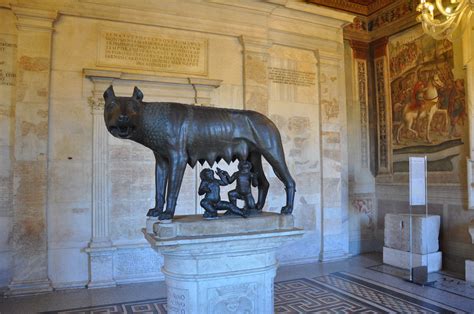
<point>30,166</point>
<point>360,53</point>
<point>256,60</point>
<point>384,124</point>
<point>468,52</point>
<point>100,250</point>
<point>334,211</point>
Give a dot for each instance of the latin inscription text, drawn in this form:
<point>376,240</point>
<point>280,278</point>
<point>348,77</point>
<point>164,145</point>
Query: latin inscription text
<point>291,77</point>
<point>153,53</point>
<point>7,74</point>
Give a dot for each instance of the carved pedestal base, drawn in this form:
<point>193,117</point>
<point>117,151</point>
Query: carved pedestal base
<point>470,271</point>
<point>28,287</point>
<point>101,266</point>
<point>401,259</point>
<point>224,265</point>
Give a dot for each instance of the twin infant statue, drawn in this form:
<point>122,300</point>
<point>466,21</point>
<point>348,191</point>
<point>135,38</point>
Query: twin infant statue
<point>210,186</point>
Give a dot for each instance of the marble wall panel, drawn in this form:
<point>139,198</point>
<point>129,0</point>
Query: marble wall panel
<point>5,267</point>
<point>69,224</point>
<point>67,188</point>
<point>363,208</point>
<point>67,85</point>
<point>130,167</point>
<point>5,250</point>
<point>293,95</point>
<point>457,224</point>
<point>80,38</point>
<point>60,263</point>
<point>228,96</point>
<point>298,130</point>
<point>302,251</point>
<point>137,265</point>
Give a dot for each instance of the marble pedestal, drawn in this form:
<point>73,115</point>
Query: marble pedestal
<point>469,264</point>
<point>470,271</point>
<point>221,266</point>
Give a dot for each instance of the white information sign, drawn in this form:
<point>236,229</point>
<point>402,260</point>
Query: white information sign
<point>417,180</point>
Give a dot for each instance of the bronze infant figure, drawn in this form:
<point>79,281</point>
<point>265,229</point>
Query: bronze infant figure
<point>180,134</point>
<point>212,203</point>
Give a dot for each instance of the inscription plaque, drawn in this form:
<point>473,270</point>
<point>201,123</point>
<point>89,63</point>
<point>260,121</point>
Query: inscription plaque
<point>7,62</point>
<point>152,52</point>
<point>291,77</point>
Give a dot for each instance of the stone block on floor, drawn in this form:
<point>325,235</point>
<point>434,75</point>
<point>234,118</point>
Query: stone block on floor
<point>470,271</point>
<point>425,232</point>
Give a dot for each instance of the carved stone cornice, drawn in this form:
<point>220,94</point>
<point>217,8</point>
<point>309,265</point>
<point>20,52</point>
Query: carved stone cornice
<point>255,44</point>
<point>107,76</point>
<point>360,49</point>
<point>360,7</point>
<point>34,19</point>
<point>380,47</point>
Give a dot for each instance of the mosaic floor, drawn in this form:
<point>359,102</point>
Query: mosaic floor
<point>338,292</point>
<point>441,281</point>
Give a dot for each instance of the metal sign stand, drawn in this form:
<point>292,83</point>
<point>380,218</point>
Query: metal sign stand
<point>419,274</point>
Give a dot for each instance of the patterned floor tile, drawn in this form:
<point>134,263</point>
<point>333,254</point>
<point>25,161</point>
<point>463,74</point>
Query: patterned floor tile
<point>335,293</point>
<point>391,298</point>
<point>157,306</point>
<point>441,280</point>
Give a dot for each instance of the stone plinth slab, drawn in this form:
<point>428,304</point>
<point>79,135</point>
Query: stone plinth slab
<point>224,265</point>
<point>195,225</point>
<point>425,232</point>
<point>470,271</point>
<point>401,259</point>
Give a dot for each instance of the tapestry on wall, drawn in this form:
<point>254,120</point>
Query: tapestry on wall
<point>428,101</point>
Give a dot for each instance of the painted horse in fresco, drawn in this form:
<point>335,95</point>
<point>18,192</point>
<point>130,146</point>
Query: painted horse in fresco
<point>425,104</point>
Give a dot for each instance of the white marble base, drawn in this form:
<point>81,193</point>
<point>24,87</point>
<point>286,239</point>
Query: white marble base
<point>150,221</point>
<point>28,287</point>
<point>401,259</point>
<point>470,271</point>
<point>101,267</point>
<point>230,272</point>
<point>333,256</point>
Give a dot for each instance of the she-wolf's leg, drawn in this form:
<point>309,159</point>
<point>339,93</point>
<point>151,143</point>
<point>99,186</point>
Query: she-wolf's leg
<point>161,176</point>
<point>263,185</point>
<point>276,158</point>
<point>177,165</point>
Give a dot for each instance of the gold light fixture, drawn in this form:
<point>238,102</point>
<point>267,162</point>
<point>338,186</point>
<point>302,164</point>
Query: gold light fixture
<point>441,18</point>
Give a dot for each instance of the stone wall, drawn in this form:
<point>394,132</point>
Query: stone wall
<point>8,47</point>
<point>408,60</point>
<point>75,198</point>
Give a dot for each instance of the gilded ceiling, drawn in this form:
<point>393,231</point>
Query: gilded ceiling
<point>362,7</point>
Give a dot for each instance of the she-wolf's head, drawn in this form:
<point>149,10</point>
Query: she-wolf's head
<point>121,114</point>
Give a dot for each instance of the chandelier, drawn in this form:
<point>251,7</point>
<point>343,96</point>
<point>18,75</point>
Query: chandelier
<point>441,24</point>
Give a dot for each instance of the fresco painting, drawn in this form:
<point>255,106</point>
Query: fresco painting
<point>428,103</point>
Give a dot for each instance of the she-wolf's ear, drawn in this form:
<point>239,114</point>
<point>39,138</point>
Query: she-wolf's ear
<point>109,93</point>
<point>137,94</point>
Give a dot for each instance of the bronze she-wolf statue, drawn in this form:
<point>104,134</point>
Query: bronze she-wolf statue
<point>180,134</point>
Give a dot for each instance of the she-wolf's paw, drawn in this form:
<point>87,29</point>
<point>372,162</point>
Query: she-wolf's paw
<point>165,216</point>
<point>286,210</point>
<point>154,212</point>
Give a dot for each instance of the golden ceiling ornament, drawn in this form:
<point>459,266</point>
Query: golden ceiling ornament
<point>441,18</point>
